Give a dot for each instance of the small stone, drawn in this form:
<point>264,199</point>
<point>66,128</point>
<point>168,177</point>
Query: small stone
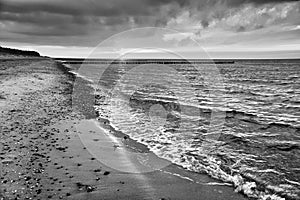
<point>106,173</point>
<point>97,170</point>
<point>90,188</point>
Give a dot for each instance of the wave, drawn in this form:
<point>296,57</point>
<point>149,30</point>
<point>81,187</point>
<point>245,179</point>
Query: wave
<point>211,157</point>
<point>283,145</point>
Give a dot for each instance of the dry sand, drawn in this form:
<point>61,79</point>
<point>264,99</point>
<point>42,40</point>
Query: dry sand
<point>46,147</point>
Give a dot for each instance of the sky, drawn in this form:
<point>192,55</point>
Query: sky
<point>147,28</point>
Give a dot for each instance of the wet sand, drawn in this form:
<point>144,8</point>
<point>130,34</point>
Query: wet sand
<point>48,151</point>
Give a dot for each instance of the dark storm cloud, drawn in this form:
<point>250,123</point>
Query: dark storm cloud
<point>86,17</point>
<point>118,8</point>
<point>35,18</point>
<point>83,7</point>
<point>52,31</point>
<point>79,12</point>
<point>76,16</point>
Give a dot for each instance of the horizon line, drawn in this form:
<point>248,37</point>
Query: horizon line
<point>85,58</point>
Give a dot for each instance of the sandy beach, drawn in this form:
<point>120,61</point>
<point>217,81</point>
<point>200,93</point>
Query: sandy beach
<point>44,155</point>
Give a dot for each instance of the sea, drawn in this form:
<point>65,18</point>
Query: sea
<point>237,121</point>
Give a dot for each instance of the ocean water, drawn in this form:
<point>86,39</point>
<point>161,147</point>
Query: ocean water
<point>238,122</point>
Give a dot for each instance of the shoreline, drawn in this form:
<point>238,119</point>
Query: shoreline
<point>170,182</point>
<point>43,156</point>
<point>135,146</point>
<point>241,183</point>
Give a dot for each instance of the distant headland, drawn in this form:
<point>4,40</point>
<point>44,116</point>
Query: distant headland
<point>8,52</point>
